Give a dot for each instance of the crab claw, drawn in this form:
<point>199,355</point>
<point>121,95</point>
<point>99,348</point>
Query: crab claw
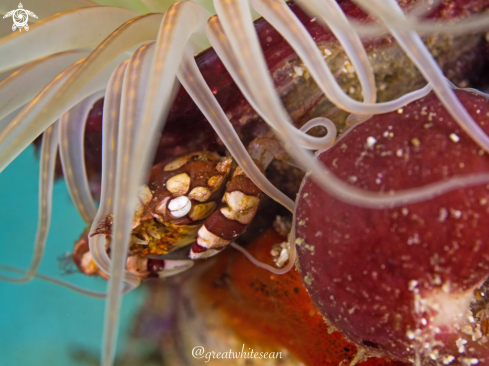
<point>156,268</point>
<point>199,252</point>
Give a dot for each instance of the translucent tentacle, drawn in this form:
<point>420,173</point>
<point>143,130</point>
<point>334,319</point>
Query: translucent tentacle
<point>156,6</point>
<point>72,153</point>
<point>23,85</point>
<point>46,108</point>
<point>422,9</point>
<point>46,181</point>
<point>179,24</point>
<point>69,286</point>
<point>5,121</point>
<point>327,140</point>
<point>245,45</point>
<point>110,130</point>
<point>222,47</point>
<point>269,268</point>
<point>391,14</point>
<point>193,82</point>
<point>287,24</point>
<point>48,8</point>
<point>277,271</point>
<point>473,24</point>
<point>19,48</point>
<point>331,13</point>
<point>132,96</point>
<point>133,93</point>
<point>136,6</point>
<point>89,71</point>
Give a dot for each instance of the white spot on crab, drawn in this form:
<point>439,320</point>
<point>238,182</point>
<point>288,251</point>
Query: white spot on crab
<point>210,240</point>
<point>179,206</point>
<point>178,184</point>
<point>145,194</point>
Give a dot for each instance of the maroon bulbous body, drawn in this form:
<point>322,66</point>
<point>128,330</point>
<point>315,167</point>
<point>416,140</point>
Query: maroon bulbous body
<point>396,280</point>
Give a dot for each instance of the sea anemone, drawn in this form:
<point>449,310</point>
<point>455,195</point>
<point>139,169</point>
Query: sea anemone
<point>62,66</point>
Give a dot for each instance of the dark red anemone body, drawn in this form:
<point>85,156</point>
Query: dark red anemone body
<point>368,270</point>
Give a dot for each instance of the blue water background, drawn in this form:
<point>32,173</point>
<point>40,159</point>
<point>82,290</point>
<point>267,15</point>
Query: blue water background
<point>41,323</point>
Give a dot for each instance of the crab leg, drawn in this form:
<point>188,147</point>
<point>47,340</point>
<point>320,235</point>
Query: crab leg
<point>241,201</point>
<point>158,268</point>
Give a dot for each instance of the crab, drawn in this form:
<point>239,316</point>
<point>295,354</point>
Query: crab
<point>179,206</point>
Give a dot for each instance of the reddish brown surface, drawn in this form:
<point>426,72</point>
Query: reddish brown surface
<point>363,259</point>
<point>271,311</point>
<point>459,8</point>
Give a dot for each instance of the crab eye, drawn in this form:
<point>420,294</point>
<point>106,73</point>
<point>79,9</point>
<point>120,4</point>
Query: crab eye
<point>179,206</point>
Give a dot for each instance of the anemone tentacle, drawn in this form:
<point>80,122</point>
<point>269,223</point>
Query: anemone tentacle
<point>46,181</point>
<point>244,43</point>
<point>72,153</point>
<point>110,133</point>
<point>194,83</point>
<point>49,7</point>
<point>280,17</point>
<point>21,86</point>
<point>135,78</point>
<point>391,14</point>
<point>20,48</point>
<point>131,169</point>
<point>37,116</point>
